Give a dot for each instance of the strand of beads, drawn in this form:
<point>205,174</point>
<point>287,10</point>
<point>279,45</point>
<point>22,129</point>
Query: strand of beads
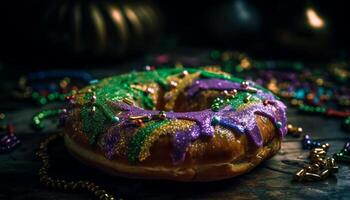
<point>328,112</point>
<point>54,85</point>
<point>312,91</point>
<point>340,70</point>
<point>313,95</point>
<point>232,62</point>
<point>294,131</point>
<point>43,99</point>
<point>9,141</point>
<point>60,184</point>
<point>37,119</point>
<point>309,143</point>
<point>320,166</point>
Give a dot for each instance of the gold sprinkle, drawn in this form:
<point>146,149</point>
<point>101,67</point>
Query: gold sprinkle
<point>247,98</point>
<point>185,73</point>
<point>150,90</point>
<point>252,89</point>
<point>138,117</point>
<point>128,101</point>
<point>173,84</point>
<point>169,128</point>
<point>93,109</point>
<point>224,133</point>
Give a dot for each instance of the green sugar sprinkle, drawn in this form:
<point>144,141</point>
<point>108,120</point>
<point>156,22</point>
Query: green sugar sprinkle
<point>138,140</point>
<point>92,123</point>
<point>239,99</point>
<point>118,87</point>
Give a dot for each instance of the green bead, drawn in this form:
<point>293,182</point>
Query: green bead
<point>40,116</point>
<point>215,120</point>
<point>43,101</point>
<point>115,119</point>
<point>279,124</point>
<point>215,109</point>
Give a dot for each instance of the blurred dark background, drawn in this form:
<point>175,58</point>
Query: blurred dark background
<point>95,31</point>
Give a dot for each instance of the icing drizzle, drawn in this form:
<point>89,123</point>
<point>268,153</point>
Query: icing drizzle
<point>236,114</point>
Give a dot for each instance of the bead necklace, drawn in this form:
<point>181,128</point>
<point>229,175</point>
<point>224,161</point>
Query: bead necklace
<point>59,84</point>
<point>43,95</point>
<point>311,91</point>
<point>61,184</point>
<point>37,119</point>
<point>320,166</point>
<point>310,98</point>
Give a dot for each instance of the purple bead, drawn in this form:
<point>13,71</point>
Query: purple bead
<point>8,143</point>
<point>347,146</point>
<point>62,118</point>
<point>309,143</point>
<point>306,142</point>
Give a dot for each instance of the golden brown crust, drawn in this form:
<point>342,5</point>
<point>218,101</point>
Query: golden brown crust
<point>207,159</point>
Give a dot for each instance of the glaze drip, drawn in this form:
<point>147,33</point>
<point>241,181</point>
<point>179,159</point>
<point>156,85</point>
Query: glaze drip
<point>124,137</point>
<point>242,121</point>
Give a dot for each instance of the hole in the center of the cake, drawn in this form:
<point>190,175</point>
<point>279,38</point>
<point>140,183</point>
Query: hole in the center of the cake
<point>185,103</point>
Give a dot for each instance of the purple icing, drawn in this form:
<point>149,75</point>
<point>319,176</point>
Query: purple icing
<point>217,84</point>
<point>112,137</point>
<point>182,140</point>
<point>243,121</point>
<point>214,84</point>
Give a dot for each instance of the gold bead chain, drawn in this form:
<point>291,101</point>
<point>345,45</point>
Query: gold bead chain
<point>61,184</point>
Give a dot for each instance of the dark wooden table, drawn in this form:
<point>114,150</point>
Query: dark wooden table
<point>271,180</point>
